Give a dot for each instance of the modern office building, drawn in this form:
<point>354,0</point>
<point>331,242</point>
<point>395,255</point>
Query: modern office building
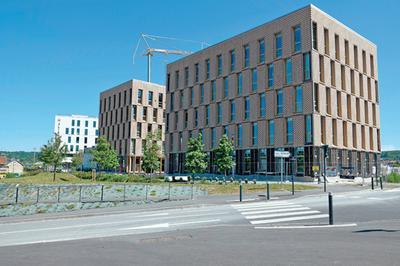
<point>296,83</point>
<point>78,132</point>
<point>127,113</point>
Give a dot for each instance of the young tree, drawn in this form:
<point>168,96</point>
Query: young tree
<point>105,156</point>
<point>53,153</point>
<point>196,158</point>
<point>224,155</point>
<point>77,160</point>
<point>151,153</point>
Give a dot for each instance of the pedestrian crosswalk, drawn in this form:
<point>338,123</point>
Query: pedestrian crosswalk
<point>276,212</point>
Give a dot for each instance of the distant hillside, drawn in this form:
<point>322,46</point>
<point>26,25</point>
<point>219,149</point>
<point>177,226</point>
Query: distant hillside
<point>391,155</point>
<point>25,157</point>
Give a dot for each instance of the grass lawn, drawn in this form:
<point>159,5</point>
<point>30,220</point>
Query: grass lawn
<point>233,188</point>
<point>45,178</point>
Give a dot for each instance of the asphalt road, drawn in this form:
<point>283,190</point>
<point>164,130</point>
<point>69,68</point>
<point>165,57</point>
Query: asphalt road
<point>285,231</point>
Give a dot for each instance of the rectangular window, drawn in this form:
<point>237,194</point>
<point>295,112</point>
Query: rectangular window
<point>326,41</point>
<point>364,62</point>
<point>233,111</point>
<point>140,96</point>
<point>226,131</point>
<point>85,140</point>
<point>343,77</point>
<point>207,115</point>
<point>207,68</point>
<point>369,88</point>
<point>339,103</point>
<point>262,105</point>
<point>254,79</point>
<point>168,83</point>
<point>354,129</point>
<point>191,96</point>
<point>255,134</point>
<point>226,87</point>
<point>288,68</point>
<point>352,81</point>
<point>328,100</point>
<point>186,76</point>
<point>289,130</point>
<point>94,123</point>
<point>344,133</point>
<point>196,117</point>
<point>66,131</point>
<point>213,137</point>
<point>172,100</point>
<point>78,131</point>
<point>233,60</point>
<point>219,113</point>
<point>355,48</point>
<point>316,97</point>
<point>323,130</point>
<point>201,93</point>
<point>176,79</point>
<point>278,45</point>
<point>334,132</point>
<point>279,102</point>
<point>372,65</point>
<point>86,123</point>
<point>315,35</point>
<point>134,112</point>
<point>271,132</point>
<point>363,137</point>
<point>358,109</point>
<point>213,90</point>
<point>239,79</point>
<point>261,51</point>
<point>270,75</point>
<point>333,74</point>
<point>337,47</point>
<point>160,100</point>
<point>239,135</point>
<point>78,123</point>
<point>145,113</point>
<point>308,124</point>
<point>306,66</point>
<point>297,38</point>
<point>86,131</point>
<point>373,114</point>
<point>196,73</point>
<point>361,84</point>
<point>376,92</point>
<point>348,107</point>
<point>69,139</point>
<point>299,99</point>
<point>150,98</point>
<point>176,120</point>
<point>219,65</point>
<point>155,114</point>
<point>366,110</point>
<point>346,52</point>
<point>246,53</point>
<point>321,69</point>
<point>371,139</point>
<point>139,130</point>
<point>247,108</point>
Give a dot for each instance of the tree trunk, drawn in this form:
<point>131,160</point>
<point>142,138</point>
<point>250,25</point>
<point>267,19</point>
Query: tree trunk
<point>54,173</point>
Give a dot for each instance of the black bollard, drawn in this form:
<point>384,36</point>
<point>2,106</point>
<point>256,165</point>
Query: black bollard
<point>268,198</point>
<point>330,209</point>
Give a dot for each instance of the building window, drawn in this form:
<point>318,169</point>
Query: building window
<point>207,115</point>
<point>232,59</point>
<point>271,132</point>
<point>213,137</point>
<point>66,131</point>
<point>85,140</point>
<point>278,45</point>
<point>354,131</point>
<point>306,66</point>
<point>254,79</point>
<point>246,52</point>
<point>247,108</point>
<point>337,47</point>
<point>346,52</point>
<point>176,120</point>
<point>186,118</point>
<point>69,139</point>
<point>334,132</point>
<point>343,77</point>
<point>226,87</point>
<point>262,105</point>
<point>139,130</point>
<point>134,112</point>
<point>172,101</point>
<point>219,112</point>
<point>196,117</point>
<point>150,98</point>
<point>144,114</point>
<point>86,123</point>
<point>226,131</point>
<point>140,95</point>
<point>261,51</point>
<point>255,134</point>
<point>323,130</point>
<point>160,100</point>
<point>372,65</point>
<point>202,93</point>
<point>78,123</point>
<point>352,81</point>
<point>86,131</point>
<point>239,83</point>
<point>289,130</point>
<point>186,76</point>
<point>321,69</point>
<point>308,124</point>
<point>77,148</point>
<point>288,68</point>
<point>233,111</point>
<point>299,99</point>
<point>207,70</point>
<point>326,41</point>
<point>361,84</point>
<point>191,96</point>
<point>344,133</point>
<point>213,90</point>
<point>297,38</point>
<point>219,65</point>
<point>78,131</point>
<point>279,102</point>
<point>328,100</point>
<point>239,135</point>
<point>355,49</point>
<point>339,103</point>
<point>94,124</point>
<point>270,75</point>
<point>314,36</point>
<point>176,79</point>
<point>196,73</point>
<point>358,109</point>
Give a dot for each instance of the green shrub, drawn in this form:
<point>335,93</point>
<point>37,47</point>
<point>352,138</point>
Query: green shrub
<point>393,178</point>
<point>83,175</point>
<point>31,172</point>
<point>11,175</point>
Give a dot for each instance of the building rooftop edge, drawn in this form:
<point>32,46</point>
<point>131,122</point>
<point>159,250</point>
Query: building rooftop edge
<point>82,116</point>
<point>133,80</point>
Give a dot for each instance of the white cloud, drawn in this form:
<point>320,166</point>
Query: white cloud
<point>388,147</point>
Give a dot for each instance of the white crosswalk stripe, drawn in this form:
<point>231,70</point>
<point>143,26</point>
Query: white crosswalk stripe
<point>276,212</point>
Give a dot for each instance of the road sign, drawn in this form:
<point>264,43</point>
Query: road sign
<point>282,154</point>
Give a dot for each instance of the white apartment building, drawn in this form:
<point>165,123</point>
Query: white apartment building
<point>78,132</point>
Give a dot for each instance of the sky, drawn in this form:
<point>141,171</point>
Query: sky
<point>56,56</point>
